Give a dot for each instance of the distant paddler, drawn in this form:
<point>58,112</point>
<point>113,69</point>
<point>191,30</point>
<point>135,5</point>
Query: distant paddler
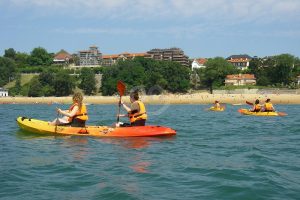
<point>268,107</point>
<point>217,107</point>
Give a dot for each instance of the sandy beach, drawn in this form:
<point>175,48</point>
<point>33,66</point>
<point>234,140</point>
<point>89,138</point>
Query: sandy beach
<point>197,98</point>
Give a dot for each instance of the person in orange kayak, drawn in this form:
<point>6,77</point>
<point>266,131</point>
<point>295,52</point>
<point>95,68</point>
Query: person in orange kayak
<point>76,116</point>
<point>136,112</point>
<point>268,107</point>
<point>256,106</point>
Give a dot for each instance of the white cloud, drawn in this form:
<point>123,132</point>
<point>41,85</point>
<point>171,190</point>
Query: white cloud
<point>158,9</point>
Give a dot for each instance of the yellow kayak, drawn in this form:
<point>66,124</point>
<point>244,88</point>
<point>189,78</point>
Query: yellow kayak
<point>247,112</point>
<point>42,127</point>
<point>216,109</point>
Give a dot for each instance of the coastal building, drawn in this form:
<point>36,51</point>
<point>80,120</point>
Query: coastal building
<point>109,60</point>
<point>62,57</point>
<point>90,58</point>
<point>240,79</point>
<point>239,61</point>
<point>198,63</point>
<point>172,54</point>
<point>3,92</point>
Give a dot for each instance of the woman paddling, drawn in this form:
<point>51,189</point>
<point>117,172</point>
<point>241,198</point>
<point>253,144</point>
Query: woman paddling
<point>256,106</point>
<point>268,107</point>
<point>136,112</point>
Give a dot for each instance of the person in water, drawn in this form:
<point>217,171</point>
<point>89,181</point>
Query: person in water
<point>217,105</point>
<point>136,112</point>
<point>76,116</point>
<point>268,107</point>
<point>256,106</point>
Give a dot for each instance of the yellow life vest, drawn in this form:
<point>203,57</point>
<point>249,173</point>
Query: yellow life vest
<point>80,114</point>
<point>139,115</point>
<point>268,107</point>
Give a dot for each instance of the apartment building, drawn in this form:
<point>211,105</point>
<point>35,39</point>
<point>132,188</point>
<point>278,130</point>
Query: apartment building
<point>172,54</point>
<point>90,58</point>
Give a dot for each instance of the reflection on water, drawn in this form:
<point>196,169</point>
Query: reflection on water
<point>136,142</point>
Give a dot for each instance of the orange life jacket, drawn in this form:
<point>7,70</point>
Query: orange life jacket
<point>139,115</point>
<point>257,108</point>
<point>80,114</point>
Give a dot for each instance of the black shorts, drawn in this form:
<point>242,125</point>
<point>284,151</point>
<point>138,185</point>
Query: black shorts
<point>140,122</point>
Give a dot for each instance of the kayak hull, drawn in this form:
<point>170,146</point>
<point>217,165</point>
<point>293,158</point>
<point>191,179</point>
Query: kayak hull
<point>221,109</point>
<point>42,127</point>
<point>266,114</point>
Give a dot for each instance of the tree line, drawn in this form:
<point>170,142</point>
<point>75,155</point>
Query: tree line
<point>151,76</point>
<point>53,80</point>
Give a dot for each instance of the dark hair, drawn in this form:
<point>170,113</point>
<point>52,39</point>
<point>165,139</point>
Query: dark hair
<point>268,100</point>
<point>134,95</point>
<point>216,101</point>
<point>256,101</point>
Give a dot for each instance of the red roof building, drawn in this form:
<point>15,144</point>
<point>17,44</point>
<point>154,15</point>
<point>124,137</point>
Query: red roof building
<point>199,63</point>
<point>240,79</point>
<point>109,60</point>
<point>240,61</point>
<point>62,57</point>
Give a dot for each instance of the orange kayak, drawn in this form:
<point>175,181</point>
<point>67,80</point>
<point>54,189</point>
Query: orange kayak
<point>42,127</point>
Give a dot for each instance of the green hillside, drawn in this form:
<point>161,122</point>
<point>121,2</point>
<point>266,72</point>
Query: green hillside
<point>25,78</point>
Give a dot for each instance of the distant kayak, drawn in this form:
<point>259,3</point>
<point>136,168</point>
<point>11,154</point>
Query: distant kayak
<point>42,127</point>
<point>247,112</point>
<point>217,109</point>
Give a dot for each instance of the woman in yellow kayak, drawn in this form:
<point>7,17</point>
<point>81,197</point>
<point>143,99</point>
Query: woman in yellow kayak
<point>256,106</point>
<point>136,112</point>
<point>268,107</point>
<point>76,116</point>
<point>217,105</point>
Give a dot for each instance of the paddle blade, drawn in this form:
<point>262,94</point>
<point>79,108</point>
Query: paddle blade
<point>121,88</point>
<point>282,114</point>
<point>240,110</point>
<point>249,103</point>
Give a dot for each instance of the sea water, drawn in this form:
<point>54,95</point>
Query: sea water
<point>215,155</point>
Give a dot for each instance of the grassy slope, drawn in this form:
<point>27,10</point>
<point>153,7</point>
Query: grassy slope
<point>25,78</point>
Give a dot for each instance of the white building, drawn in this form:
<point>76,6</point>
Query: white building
<point>240,61</point>
<point>298,79</point>
<point>198,63</point>
<point>3,92</point>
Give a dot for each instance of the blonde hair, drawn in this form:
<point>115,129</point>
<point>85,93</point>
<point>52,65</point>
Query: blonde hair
<point>78,98</point>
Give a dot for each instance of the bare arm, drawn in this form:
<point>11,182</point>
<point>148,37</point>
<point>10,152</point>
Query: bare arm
<point>67,113</point>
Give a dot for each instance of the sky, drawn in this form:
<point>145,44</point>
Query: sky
<point>201,28</point>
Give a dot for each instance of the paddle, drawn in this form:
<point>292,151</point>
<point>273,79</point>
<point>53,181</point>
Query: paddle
<point>282,113</point>
<point>249,103</point>
<point>121,89</point>
<point>57,116</point>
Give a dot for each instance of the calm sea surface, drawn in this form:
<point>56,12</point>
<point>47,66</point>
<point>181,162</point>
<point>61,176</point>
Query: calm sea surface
<point>215,155</point>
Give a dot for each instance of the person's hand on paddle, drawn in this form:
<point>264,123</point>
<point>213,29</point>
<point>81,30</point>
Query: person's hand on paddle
<point>58,110</point>
<point>121,115</point>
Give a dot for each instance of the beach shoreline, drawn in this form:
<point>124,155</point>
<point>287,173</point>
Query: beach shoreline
<point>197,98</point>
